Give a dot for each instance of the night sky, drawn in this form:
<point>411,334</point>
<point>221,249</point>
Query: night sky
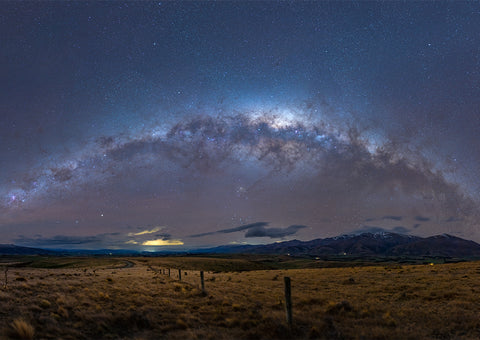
<point>160,125</point>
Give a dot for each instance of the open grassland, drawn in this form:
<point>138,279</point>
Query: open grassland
<point>111,299</point>
<point>61,262</point>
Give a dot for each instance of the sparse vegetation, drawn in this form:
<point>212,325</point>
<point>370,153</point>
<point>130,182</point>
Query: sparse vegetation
<point>375,302</point>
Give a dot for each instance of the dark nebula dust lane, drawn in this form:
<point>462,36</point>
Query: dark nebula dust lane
<point>151,125</point>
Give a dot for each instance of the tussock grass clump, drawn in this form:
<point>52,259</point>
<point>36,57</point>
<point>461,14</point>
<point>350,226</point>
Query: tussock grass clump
<point>61,311</point>
<point>337,308</point>
<point>132,320</point>
<point>388,320</point>
<point>181,324</point>
<point>238,308</point>
<point>21,329</point>
<point>44,303</point>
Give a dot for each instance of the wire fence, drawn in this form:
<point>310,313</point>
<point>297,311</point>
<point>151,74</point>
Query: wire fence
<point>197,278</point>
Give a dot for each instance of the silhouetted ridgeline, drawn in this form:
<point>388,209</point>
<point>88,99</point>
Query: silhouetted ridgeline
<point>10,249</point>
<point>367,244</point>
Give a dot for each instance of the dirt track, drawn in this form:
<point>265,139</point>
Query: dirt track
<point>128,264</point>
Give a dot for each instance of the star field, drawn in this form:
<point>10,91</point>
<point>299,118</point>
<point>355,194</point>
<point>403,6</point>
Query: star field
<point>150,124</point>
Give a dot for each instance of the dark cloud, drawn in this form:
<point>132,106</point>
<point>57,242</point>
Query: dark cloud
<point>395,218</point>
<point>233,230</point>
<point>257,230</point>
<point>60,241</point>
<point>422,219</point>
<point>416,226</point>
<point>261,231</point>
<point>163,236</point>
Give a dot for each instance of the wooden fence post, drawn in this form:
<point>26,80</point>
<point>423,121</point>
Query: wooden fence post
<point>168,272</point>
<point>180,275</point>
<point>202,282</point>
<point>288,300</point>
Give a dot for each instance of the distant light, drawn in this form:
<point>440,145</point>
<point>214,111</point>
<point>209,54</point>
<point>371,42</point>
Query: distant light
<point>162,242</point>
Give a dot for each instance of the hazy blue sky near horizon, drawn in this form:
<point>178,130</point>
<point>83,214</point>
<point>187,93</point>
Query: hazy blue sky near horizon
<point>187,124</point>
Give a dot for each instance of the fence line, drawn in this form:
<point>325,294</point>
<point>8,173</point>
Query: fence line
<point>193,277</point>
<point>198,279</point>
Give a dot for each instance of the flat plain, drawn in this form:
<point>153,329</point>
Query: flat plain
<point>136,298</point>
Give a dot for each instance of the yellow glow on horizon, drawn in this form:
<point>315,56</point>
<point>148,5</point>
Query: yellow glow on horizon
<point>161,242</point>
<point>131,242</point>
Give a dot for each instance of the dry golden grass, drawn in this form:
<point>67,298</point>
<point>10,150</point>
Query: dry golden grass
<point>21,329</point>
<point>409,302</point>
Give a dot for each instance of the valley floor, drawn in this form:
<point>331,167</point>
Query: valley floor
<point>136,299</point>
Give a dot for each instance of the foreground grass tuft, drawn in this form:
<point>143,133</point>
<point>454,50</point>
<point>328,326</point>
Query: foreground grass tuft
<point>21,329</point>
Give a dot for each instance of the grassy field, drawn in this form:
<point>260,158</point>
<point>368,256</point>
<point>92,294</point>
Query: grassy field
<point>120,298</point>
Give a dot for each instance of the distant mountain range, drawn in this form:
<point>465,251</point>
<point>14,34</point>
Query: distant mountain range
<point>10,249</point>
<point>366,244</point>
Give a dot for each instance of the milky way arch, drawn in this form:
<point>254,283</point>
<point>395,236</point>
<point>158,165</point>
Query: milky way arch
<point>267,160</point>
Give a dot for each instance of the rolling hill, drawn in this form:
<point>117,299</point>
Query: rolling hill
<point>10,249</point>
<point>366,244</point>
